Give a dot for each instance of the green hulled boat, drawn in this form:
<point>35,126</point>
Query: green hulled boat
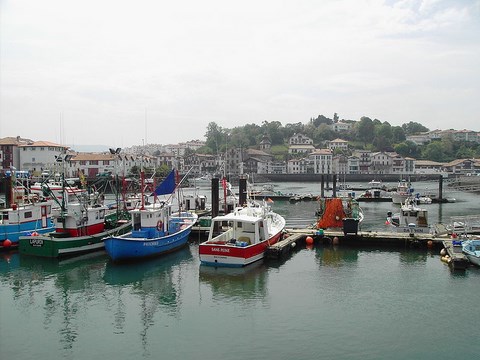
<point>80,226</point>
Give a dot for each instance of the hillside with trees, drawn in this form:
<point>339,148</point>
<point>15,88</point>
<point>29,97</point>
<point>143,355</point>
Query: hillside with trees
<point>366,134</point>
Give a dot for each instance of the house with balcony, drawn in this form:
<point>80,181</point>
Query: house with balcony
<point>300,144</point>
<point>364,161</point>
<point>381,163</point>
<point>337,144</point>
<point>322,161</point>
<point>298,166</point>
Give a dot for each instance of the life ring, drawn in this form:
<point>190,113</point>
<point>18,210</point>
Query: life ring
<point>160,225</point>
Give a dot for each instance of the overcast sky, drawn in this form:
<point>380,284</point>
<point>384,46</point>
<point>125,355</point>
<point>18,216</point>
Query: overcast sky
<point>122,73</point>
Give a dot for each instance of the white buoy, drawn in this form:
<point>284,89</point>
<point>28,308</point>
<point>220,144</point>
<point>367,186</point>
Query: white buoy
<point>293,245</point>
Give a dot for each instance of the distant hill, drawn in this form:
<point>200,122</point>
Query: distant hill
<point>89,148</point>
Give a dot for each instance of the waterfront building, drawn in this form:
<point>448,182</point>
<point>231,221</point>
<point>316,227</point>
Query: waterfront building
<point>298,166</point>
<point>340,164</point>
<point>460,166</point>
<point>428,167</point>
<point>381,163</point>
<point>353,165</point>
<point>9,146</point>
<point>37,156</point>
<point>322,161</point>
<point>365,160</point>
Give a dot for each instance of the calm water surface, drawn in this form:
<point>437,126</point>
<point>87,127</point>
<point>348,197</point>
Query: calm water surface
<point>322,302</point>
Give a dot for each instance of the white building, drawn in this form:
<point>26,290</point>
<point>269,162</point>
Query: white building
<point>40,155</point>
<point>381,163</point>
<point>338,144</point>
<point>341,126</point>
<point>322,161</point>
<point>298,166</point>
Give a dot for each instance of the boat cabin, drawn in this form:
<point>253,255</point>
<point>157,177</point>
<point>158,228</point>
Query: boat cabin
<point>152,221</point>
<point>238,230</point>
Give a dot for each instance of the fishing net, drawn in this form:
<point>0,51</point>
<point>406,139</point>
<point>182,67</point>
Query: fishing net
<point>333,214</point>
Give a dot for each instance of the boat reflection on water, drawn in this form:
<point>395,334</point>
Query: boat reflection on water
<point>335,256</point>
<point>147,270</point>
<point>9,261</point>
<point>249,282</point>
<point>155,284</point>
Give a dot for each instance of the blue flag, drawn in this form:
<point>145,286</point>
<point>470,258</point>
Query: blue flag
<point>167,186</point>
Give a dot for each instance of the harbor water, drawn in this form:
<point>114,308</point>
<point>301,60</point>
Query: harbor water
<point>322,302</point>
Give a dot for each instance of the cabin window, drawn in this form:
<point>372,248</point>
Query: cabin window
<point>28,214</point>
<point>102,214</point>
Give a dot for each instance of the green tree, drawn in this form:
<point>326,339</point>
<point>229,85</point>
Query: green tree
<point>323,133</point>
<point>383,137</point>
<point>292,129</point>
<point>215,137</point>
<point>321,120</point>
<point>413,128</point>
<point>465,152</point>
<point>365,130</point>
<point>274,130</point>
<point>434,151</point>
<point>407,149</point>
<point>398,135</point>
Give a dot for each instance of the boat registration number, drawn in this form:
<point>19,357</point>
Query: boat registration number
<point>36,242</point>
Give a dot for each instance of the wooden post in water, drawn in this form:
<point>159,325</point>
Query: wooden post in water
<point>334,185</point>
<point>322,188</point>
<point>440,188</point>
<point>242,188</point>
<point>215,197</point>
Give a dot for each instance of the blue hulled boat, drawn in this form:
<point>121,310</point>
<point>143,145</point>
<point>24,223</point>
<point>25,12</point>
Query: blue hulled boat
<point>155,228</point>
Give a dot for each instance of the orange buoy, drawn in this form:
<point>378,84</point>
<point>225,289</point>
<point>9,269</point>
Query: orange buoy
<point>429,244</point>
<point>309,240</point>
<point>7,243</point>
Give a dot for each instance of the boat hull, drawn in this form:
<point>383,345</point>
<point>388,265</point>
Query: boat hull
<point>471,249</point>
<point>13,232</point>
<point>122,248</point>
<point>52,246</point>
<point>234,256</point>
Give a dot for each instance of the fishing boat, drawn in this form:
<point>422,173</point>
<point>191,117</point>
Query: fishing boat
<point>340,213</point>
<point>402,192</point>
<point>22,214</point>
<point>81,222</point>
<point>375,184</point>
<point>241,237</point>
<point>156,229</point>
<point>51,189</point>
<point>471,249</point>
<point>411,219</point>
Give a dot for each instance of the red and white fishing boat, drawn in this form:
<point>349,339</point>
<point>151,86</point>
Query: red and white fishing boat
<point>242,236</point>
<point>56,190</point>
